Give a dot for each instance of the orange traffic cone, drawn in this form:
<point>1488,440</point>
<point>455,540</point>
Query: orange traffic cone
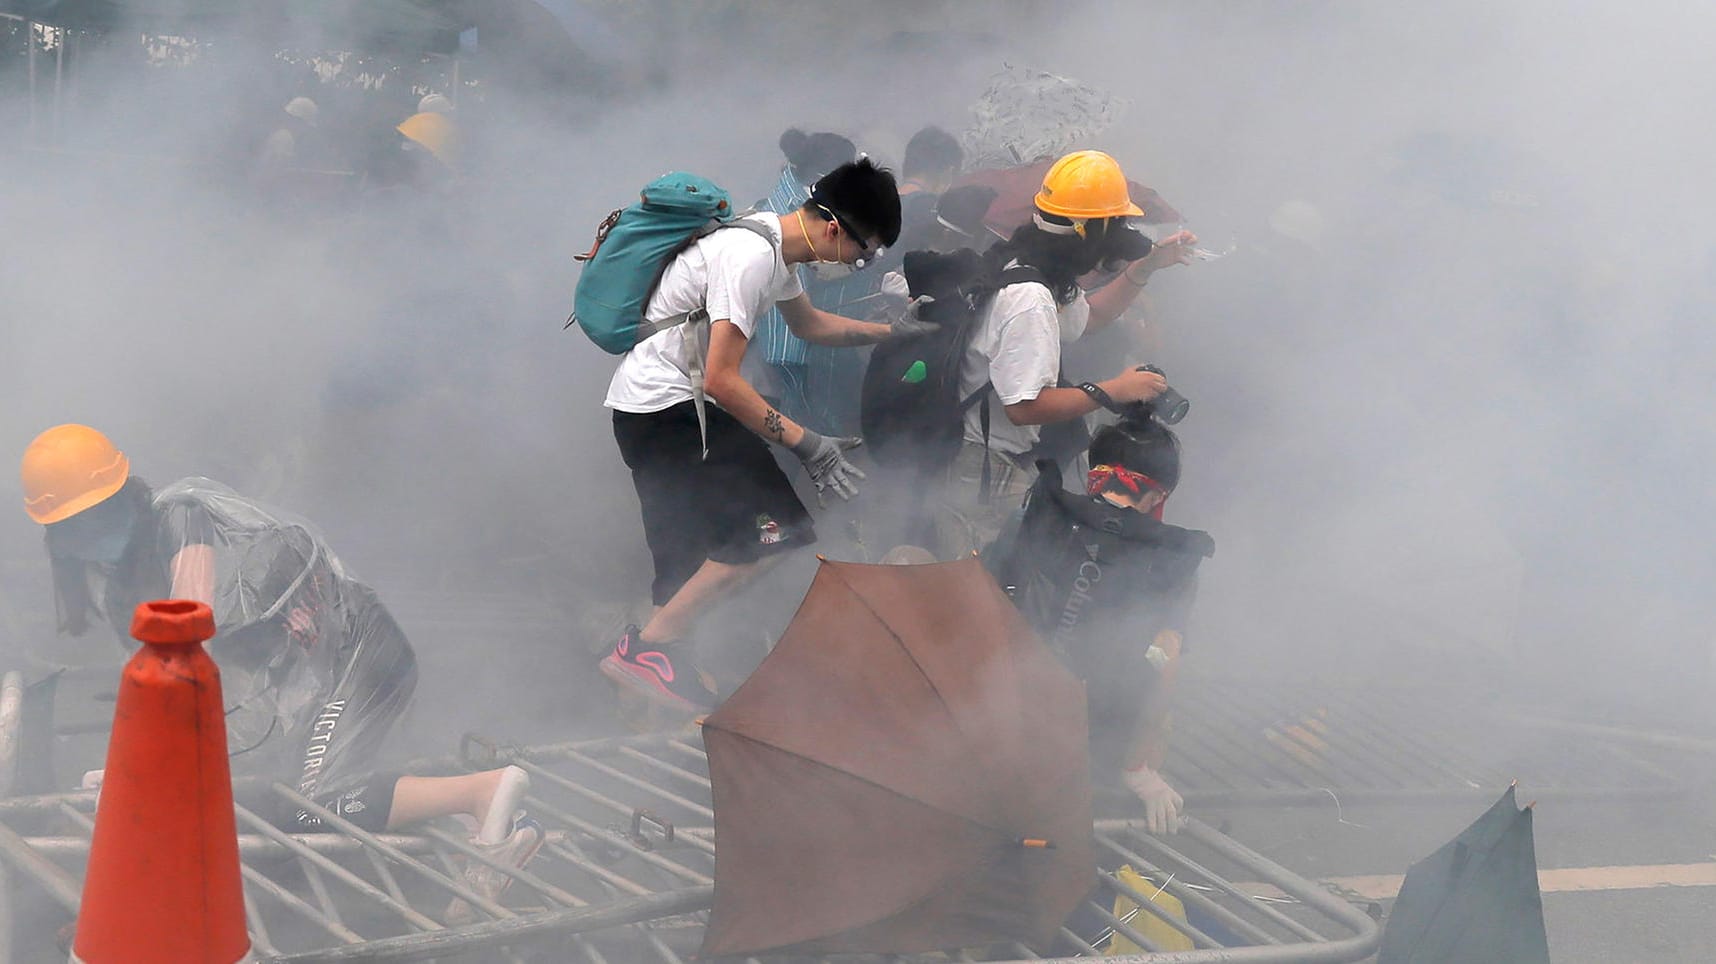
<point>163,882</point>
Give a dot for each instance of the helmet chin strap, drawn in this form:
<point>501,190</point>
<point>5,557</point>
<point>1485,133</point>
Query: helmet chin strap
<point>1050,227</point>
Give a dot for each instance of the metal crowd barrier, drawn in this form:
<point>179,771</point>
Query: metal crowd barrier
<point>627,872</point>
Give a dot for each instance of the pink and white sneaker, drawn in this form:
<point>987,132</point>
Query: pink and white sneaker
<point>651,672</point>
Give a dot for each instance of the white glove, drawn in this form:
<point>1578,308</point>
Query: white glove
<point>1162,804</point>
<point>825,459</point>
<point>894,285</point>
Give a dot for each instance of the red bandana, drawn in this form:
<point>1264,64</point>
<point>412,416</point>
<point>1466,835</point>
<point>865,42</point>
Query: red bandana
<point>1134,482</point>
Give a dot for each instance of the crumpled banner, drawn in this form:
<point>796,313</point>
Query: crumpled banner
<point>1029,114</point>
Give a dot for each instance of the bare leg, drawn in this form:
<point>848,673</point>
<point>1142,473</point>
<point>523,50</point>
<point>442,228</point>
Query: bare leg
<point>710,582</point>
<point>416,799</point>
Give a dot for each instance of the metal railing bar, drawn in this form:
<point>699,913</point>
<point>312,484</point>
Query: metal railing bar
<point>1340,911</point>
<point>677,743</point>
<point>598,871</point>
<point>1080,945</point>
<point>255,924</point>
<point>1171,856</point>
<point>595,830</point>
<point>454,886</point>
<point>591,954</point>
<point>1149,906</point>
<point>250,846</point>
<point>1125,929</point>
<point>575,787</point>
<point>386,875</point>
<point>660,946</point>
<point>61,886</point>
<point>524,877</point>
<point>1187,895</point>
<point>666,767</point>
<point>319,887</point>
<point>417,947</point>
<point>339,873</point>
<point>644,785</point>
<point>47,801</point>
<point>294,903</point>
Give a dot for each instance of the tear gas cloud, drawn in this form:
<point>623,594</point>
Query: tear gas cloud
<point>1456,413</point>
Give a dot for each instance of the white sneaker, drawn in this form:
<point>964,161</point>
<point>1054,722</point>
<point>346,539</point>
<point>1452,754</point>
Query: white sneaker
<point>503,806</point>
<point>515,851</point>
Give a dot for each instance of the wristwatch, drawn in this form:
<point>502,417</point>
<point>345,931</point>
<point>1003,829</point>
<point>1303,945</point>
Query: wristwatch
<point>1097,395</point>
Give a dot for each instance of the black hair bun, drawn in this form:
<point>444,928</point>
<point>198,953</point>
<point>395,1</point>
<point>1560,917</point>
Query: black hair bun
<point>814,155</point>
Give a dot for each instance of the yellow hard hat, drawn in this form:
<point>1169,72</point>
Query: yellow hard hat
<point>1086,184</point>
<point>68,469</point>
<point>436,133</point>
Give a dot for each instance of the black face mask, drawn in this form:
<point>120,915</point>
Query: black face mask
<point>99,534</point>
<point>1119,247</point>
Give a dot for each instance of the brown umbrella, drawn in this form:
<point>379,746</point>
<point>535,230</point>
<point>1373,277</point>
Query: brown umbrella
<point>906,771</point>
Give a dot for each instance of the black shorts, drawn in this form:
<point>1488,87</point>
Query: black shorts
<point>734,507</point>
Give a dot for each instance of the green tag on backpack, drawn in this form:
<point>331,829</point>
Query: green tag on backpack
<point>915,374</point>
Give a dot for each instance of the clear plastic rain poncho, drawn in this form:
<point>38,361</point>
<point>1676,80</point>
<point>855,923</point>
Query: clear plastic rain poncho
<point>292,627</point>
<point>1027,114</point>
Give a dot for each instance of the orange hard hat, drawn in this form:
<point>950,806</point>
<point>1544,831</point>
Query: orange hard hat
<point>1086,184</point>
<point>435,133</point>
<point>68,469</point>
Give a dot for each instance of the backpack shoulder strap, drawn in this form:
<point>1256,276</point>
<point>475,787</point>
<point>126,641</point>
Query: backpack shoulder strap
<point>755,227</point>
<point>698,318</point>
<point>1019,274</point>
<point>648,328</point>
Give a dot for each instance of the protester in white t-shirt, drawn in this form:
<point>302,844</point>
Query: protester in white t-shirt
<point>716,506</point>
<point>1014,354</point>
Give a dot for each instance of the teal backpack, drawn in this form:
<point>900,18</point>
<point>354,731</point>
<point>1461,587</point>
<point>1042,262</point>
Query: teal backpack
<point>633,248</point>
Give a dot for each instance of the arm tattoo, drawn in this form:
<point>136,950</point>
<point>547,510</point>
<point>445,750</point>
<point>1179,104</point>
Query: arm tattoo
<point>772,425</point>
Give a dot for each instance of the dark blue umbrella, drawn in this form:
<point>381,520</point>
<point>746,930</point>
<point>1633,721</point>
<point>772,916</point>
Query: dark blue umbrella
<point>1474,900</point>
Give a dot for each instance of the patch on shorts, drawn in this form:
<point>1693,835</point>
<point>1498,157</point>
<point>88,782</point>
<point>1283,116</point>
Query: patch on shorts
<point>769,532</point>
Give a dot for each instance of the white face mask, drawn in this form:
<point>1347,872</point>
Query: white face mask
<point>830,270</point>
<point>824,270</point>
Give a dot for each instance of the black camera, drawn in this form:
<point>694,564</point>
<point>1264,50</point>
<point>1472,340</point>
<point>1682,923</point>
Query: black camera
<point>1168,408</point>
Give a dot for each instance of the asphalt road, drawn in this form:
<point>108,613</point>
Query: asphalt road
<point>1670,924</point>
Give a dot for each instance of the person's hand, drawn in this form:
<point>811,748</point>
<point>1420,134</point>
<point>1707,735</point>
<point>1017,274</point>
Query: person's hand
<point>891,300</point>
<point>825,460</point>
<point>301,626</point>
<point>1162,804</point>
<point>894,286</point>
<point>909,323</point>
<point>1135,385</point>
<point>1176,248</point>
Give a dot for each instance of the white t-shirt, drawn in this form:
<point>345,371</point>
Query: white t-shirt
<point>1016,347</point>
<point>736,275</point>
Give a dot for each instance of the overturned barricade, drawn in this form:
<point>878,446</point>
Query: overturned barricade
<point>628,870</point>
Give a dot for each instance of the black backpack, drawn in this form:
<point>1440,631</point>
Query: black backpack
<point>1075,562</point>
<point>911,411</point>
